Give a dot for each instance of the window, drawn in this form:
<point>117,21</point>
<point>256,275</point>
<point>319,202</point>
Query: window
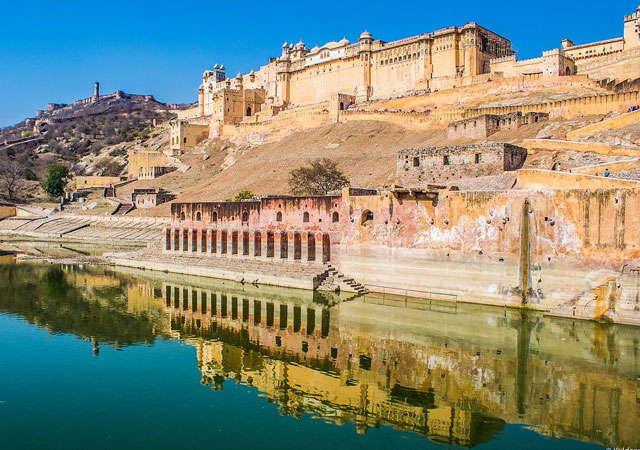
<point>279,217</point>
<point>182,216</point>
<point>367,216</point>
<point>478,157</point>
<point>445,160</point>
<point>245,216</point>
<point>214,216</point>
<point>184,140</point>
<point>305,217</point>
<point>335,217</point>
<point>198,216</point>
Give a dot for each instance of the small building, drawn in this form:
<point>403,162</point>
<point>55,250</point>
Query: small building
<point>419,166</point>
<point>147,164</point>
<point>487,124</point>
<point>149,198</point>
<point>185,135</point>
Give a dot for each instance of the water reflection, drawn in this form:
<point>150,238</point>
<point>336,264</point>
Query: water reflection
<point>456,374</point>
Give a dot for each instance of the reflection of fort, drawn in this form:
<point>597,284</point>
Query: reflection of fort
<point>455,378</point>
<point>454,373</point>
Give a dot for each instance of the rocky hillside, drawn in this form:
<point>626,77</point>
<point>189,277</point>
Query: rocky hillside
<point>90,138</point>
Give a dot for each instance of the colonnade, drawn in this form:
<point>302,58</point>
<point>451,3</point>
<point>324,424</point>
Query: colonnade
<point>197,303</point>
<point>300,246</point>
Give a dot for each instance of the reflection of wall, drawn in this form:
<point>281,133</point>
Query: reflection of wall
<point>449,376</point>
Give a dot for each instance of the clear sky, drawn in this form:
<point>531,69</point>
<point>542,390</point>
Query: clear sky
<point>54,51</point>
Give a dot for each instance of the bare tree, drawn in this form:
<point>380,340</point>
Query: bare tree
<point>11,180</point>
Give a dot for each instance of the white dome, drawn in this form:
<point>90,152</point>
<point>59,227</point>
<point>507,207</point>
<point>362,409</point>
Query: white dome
<point>366,35</point>
<point>344,41</point>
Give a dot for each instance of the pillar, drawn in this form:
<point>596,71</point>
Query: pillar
<point>291,246</point>
<point>213,244</point>
<point>319,244</point>
<point>277,245</point>
<point>304,246</point>
<point>252,244</point>
<point>221,242</point>
<point>264,236</point>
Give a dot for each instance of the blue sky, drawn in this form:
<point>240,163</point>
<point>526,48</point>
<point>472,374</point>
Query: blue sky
<point>54,51</point>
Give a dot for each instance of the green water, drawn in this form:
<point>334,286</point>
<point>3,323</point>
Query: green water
<point>112,358</point>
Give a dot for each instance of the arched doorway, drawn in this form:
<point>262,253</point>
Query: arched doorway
<point>248,110</point>
<point>341,106</point>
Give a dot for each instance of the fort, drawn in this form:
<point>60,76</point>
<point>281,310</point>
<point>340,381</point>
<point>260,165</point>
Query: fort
<point>486,190</point>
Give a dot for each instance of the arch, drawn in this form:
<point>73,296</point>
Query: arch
<point>341,106</point>
<point>367,216</point>
<point>279,216</point>
<point>214,216</point>
<point>245,216</point>
<point>182,216</point>
<point>335,217</point>
<point>248,110</point>
<point>568,71</point>
<point>305,216</point>
<point>198,216</point>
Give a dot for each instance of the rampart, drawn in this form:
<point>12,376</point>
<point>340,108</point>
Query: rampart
<point>621,121</point>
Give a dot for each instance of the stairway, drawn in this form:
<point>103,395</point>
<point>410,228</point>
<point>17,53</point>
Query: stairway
<point>332,280</point>
<point>122,209</point>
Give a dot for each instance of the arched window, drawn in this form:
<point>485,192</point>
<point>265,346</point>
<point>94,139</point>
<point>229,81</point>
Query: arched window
<point>279,217</point>
<point>367,216</point>
<point>248,110</point>
<point>245,216</point>
<point>182,216</point>
<point>198,216</point>
<point>305,216</point>
<point>214,216</point>
<point>335,217</point>
<point>341,106</point>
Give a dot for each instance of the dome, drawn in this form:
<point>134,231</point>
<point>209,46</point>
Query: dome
<point>239,76</point>
<point>300,45</point>
<point>365,35</point>
<point>222,67</point>
<point>215,66</point>
<point>285,45</point>
<point>315,49</point>
<point>344,41</point>
<point>252,72</point>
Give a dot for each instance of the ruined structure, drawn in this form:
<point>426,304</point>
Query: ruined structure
<point>149,198</point>
<point>417,167</point>
<point>487,124</point>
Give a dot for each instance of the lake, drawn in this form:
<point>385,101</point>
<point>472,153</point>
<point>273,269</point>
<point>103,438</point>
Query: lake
<point>99,357</point>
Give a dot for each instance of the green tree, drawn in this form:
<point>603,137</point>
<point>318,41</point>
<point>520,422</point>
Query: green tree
<point>242,195</point>
<point>318,178</point>
<point>55,180</point>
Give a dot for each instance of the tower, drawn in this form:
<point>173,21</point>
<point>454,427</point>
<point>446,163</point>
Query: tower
<point>96,92</point>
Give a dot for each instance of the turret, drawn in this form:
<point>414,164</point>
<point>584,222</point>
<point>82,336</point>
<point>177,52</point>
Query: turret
<point>96,92</point>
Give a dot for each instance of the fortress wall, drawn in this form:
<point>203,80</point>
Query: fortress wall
<point>318,83</point>
<point>592,105</point>
<point>275,128</point>
<point>615,122</point>
<point>613,167</point>
<point>95,181</point>
<point>469,243</point>
<point>561,146</point>
<point>549,179</point>
<point>190,113</point>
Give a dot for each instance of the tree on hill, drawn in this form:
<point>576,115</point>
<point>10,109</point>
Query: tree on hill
<point>242,195</point>
<point>55,180</point>
<point>318,178</point>
<point>11,178</point>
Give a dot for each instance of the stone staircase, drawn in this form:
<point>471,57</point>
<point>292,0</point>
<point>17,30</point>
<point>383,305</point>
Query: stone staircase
<point>335,281</point>
<point>122,208</point>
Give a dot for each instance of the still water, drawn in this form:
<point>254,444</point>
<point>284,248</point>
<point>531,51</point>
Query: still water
<point>94,357</point>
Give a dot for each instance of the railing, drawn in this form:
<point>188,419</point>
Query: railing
<point>429,295</point>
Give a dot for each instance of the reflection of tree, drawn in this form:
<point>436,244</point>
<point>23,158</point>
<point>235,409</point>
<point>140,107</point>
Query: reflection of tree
<point>43,296</point>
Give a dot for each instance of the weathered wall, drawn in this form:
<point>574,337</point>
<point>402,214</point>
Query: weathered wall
<point>95,181</point>
<point>550,179</point>
<point>445,163</point>
<point>621,121</point>
<point>561,146</point>
<point>7,211</point>
<point>142,162</point>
